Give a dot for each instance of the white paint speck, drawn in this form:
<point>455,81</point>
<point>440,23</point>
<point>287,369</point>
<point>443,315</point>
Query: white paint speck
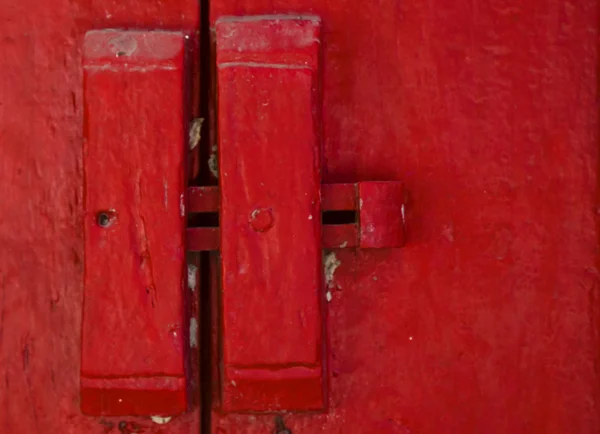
<point>123,45</point>
<point>161,420</point>
<point>403,214</point>
<point>233,383</point>
<point>120,400</point>
<point>182,205</point>
<point>360,203</point>
<point>328,296</point>
<point>213,163</point>
<point>448,232</point>
<point>195,133</point>
<point>330,264</point>
<point>410,338</point>
<point>310,217</point>
<point>375,278</point>
<point>343,245</point>
<point>193,333</point>
<point>192,277</point>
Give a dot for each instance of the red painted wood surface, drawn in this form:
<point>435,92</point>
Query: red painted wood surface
<point>203,199</point>
<point>381,214</point>
<point>334,197</point>
<point>339,197</point>
<point>485,322</point>
<point>42,207</point>
<point>269,156</point>
<point>377,218</point>
<point>134,331</point>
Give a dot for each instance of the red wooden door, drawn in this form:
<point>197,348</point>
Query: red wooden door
<point>484,322</point>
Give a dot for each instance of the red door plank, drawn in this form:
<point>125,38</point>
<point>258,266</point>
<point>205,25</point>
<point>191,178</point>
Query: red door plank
<point>133,353</point>
<point>270,214</point>
<point>485,322</point>
<point>41,232</point>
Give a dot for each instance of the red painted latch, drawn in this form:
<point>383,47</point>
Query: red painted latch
<point>133,352</point>
<point>378,207</point>
<point>271,201</point>
<point>271,204</point>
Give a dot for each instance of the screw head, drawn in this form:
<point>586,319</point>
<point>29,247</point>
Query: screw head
<point>261,219</point>
<point>105,219</point>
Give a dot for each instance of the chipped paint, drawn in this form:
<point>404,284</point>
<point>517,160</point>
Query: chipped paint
<point>123,45</point>
<point>232,36</point>
<point>213,164</point>
<point>193,333</point>
<point>195,133</point>
<point>330,264</point>
<point>192,272</point>
<point>328,296</point>
<point>182,205</point>
<point>160,419</point>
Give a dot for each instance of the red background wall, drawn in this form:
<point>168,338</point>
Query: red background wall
<point>485,322</point>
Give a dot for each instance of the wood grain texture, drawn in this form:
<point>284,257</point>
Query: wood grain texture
<point>270,184</point>
<point>135,277</point>
<point>41,233</point>
<point>381,214</point>
<point>486,322</point>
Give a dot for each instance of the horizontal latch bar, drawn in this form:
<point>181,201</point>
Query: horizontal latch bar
<point>378,222</point>
<point>203,239</point>
<point>332,236</point>
<point>203,199</point>
<point>334,197</point>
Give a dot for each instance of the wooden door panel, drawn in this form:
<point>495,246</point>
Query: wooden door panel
<point>486,320</point>
<point>41,231</point>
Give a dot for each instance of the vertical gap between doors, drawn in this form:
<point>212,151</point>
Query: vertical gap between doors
<point>205,282</point>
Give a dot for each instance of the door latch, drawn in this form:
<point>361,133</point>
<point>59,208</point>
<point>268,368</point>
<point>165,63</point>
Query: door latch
<point>132,351</point>
<point>270,202</point>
